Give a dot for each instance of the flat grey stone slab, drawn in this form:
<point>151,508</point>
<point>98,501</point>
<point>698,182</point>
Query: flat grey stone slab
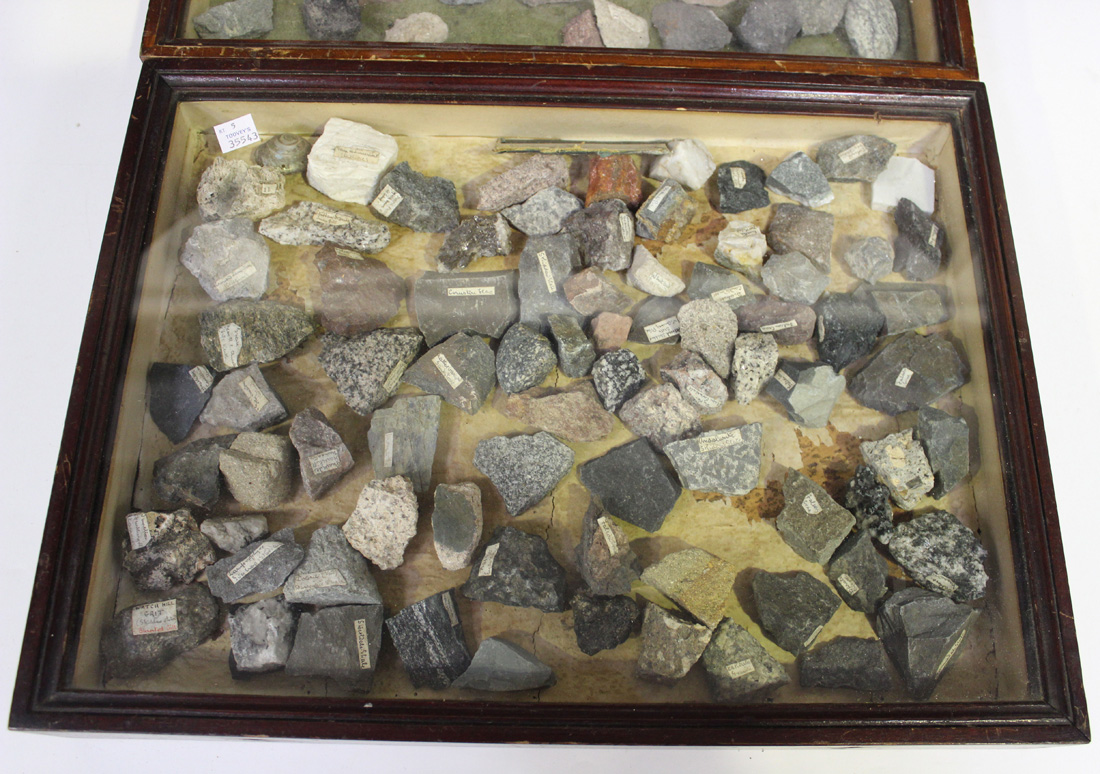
<point>723,461</point>
<point>332,573</point>
<point>162,550</point>
<point>870,259</point>
<point>787,322</point>
<point>456,523</point>
<point>485,302</point>
<point>499,666</point>
<point>524,469</point>
<point>811,522</point>
<point>792,277</point>
<point>341,643</point>
<point>872,28</point>
<point>858,573</point>
<point>769,26</point>
<point>689,27</point>
<point>461,370</point>
<point>402,439</point>
<point>259,470</point>
<point>656,321</point>
<point>430,640</point>
<point>920,250</point>
<point>946,442</point>
<point>261,636</point>
<point>941,554</point>
<point>236,19</point>
<point>632,483</point>
<point>737,666</point>
<point>517,569</point>
<point>618,376</point>
<point>323,457</point>
<point>909,372</point>
<point>256,569</point>
<point>847,662</point>
<point>367,368</point>
<point>244,331</point>
<point>177,395</point>
<point>793,607</point>
<point>820,17</point>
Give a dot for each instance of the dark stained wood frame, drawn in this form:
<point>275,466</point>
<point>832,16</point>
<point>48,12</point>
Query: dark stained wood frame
<point>164,20</point>
<point>42,699</point>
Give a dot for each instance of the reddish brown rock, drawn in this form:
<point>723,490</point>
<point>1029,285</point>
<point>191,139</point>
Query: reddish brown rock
<point>614,177</point>
<point>575,415</point>
<point>358,294</point>
<point>581,31</point>
<point>661,415</point>
<point>609,331</point>
<point>590,293</point>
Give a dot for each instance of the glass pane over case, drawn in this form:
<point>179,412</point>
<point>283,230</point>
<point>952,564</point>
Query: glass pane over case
<point>733,577</point>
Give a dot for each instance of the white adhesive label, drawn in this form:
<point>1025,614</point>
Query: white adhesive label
<point>362,643</point>
<point>728,294</point>
<point>904,375</point>
<point>237,133</point>
<point>857,151</point>
<point>326,579</point>
<point>345,253</point>
<point>933,235</point>
<point>329,217</point>
<point>741,668</point>
<point>443,365</point>
<point>608,534</point>
<point>449,606</point>
<point>810,504</point>
<point>785,381</point>
<point>486,566</point>
<point>231,340</point>
<point>363,155</point>
<point>387,450</point>
<point>547,275</point>
<point>813,636</point>
<point>658,276</point>
<point>325,462</point>
<point>386,201</point>
<point>947,658</point>
<point>738,177</point>
<point>701,397</point>
<point>714,442</point>
<point>779,326</point>
<point>202,377</point>
<point>394,378</point>
<point>845,582</point>
<point>664,329</point>
<point>489,290</point>
<point>235,277</point>
<point>942,583</point>
<point>658,197</point>
<point>745,230</point>
<point>626,226</point>
<point>154,618</point>
<point>137,525</point>
<point>267,189</point>
<point>252,561</point>
<point>253,393</point>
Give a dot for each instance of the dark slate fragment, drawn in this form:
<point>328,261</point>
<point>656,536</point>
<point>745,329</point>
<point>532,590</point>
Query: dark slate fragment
<point>798,177</point>
<point>500,666</point>
<point>941,554</point>
<point>665,213</point>
<point>946,442</point>
<point>485,302</point>
<point>604,557</point>
<point>457,521</point>
<point>846,662</point>
<point>858,157</point>
<point>869,501</point>
<point>524,469</point>
<point>257,568</point>
<point>461,370</point>
<point>244,331</point>
<point>793,607</point>
<point>341,643</point>
<point>191,475</point>
<point>332,573</point>
<point>261,635</point>
<point>516,568</point>
<point>177,395</point>
<point>788,323</point>
<point>769,26</point>
<point>416,201</point>
<point>920,251</point>
<point>544,265</point>
<point>358,293</point>
<point>429,638</point>
<point>737,666</point>
<point>402,439</point>
<point>741,187</point>
<point>656,321</point>
<point>909,372</point>
<point>689,27</point>
<point>606,234</point>
<point>798,229</point>
<point>602,623</point>
<point>858,573</point>
<point>479,236</point>
<point>323,457</point>
<point>847,329</point>
<point>633,483</point>
<point>719,284</point>
<point>576,354</point>
<point>618,376</point>
<point>811,522</point>
<point>332,19</point>
<point>524,359</point>
<point>367,368</point>
<point>908,305</point>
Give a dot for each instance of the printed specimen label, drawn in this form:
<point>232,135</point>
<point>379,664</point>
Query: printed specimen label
<point>845,582</point>
<point>328,217</point>
<point>811,505</point>
<point>547,275</point>
<point>662,330</point>
<point>345,253</point>
<point>785,381</point>
<point>626,226</point>
<point>779,326</point>
<point>813,636</point>
<point>738,177</point>
<point>386,201</point>
<point>483,290</point>
<point>235,277</point>
<point>231,340</point>
<point>449,606</point>
<point>657,198</point>
<point>904,375</point>
<point>394,378</point>
<point>942,583</point>
<point>253,393</point>
<point>658,276</point>
<point>933,235</point>
<point>252,561</point>
<point>154,618</point>
<point>608,534</point>
<point>350,153</point>
<point>362,643</point>
<point>387,450</point>
<point>237,133</point>
<point>325,461</point>
<point>486,567</point>
<point>702,398</point>
<point>137,525</point>
<point>267,189</point>
<point>202,377</point>
<point>954,649</point>
<point>741,668</point>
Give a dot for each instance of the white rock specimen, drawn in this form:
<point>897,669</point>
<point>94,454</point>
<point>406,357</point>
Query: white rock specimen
<point>384,521</point>
<point>648,275</point>
<point>741,247</point>
<point>900,463</point>
<point>619,28</point>
<point>348,159</point>
<point>418,28</point>
<point>688,162</point>
<point>232,533</point>
<point>904,178</point>
<point>237,189</point>
<point>228,258</point>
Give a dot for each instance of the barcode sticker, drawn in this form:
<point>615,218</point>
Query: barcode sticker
<point>202,377</point>
<point>237,133</point>
<point>137,525</point>
<point>386,201</point>
<point>154,618</point>
<point>252,561</point>
<point>486,566</point>
<point>231,341</point>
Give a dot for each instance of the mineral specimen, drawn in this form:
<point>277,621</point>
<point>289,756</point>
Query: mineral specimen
<point>243,400</point>
<point>575,351</point>
<point>723,461</point>
<point>456,523</point>
<point>619,28</point>
<point>872,28</point>
<point>402,439</point>
<point>665,213</point>
<point>698,384</point>
<point>237,189</point>
<point>524,359</point>
<point>741,187</point>
<point>697,581</point>
<point>259,470</point>
<point>904,178</point>
<point>582,31</point>
<point>190,476</point>
<point>946,442</point>
<point>909,372</point>
<point>574,414</point>
<point>261,635</point>
<point>741,247</point>
<point>605,559</point>
<point>331,19</point>
<point>341,643</point>
<point>602,623</point>
<point>461,370</point>
<point>605,231</point>
<point>323,458</point>
<point>614,177</point>
<point>799,229</point>
<point>484,302</point>
<point>709,328</point>
<point>798,177</point>
<point>544,265</point>
<point>516,568</point>
<point>719,284</point>
<point>655,321</point>
<point>688,162</point>
<point>755,358</point>
<point>232,533</point>
<point>858,157</point>
<point>769,26</point>
<point>500,666</point>
<point>177,395</point>
<point>847,329</point>
<point>670,645</point>
<point>617,376</point>
<point>632,482</point>
<point>811,522</point>
<point>333,573</point>
<point>312,223</point>
<point>419,27</point>
<point>286,153</point>
<point>416,201</point>
<point>870,259</point>
<point>367,368</point>
<point>820,17</point>
<point>589,293</point>
<point>793,607</point>
<point>737,666</point>
<point>869,502</point>
<point>256,569</point>
<point>610,331</point>
<point>858,573</point>
<point>648,275</point>
<point>901,464</point>
<point>786,322</point>
<point>523,181</point>
<point>348,158</point>
<point>384,521</point>
<point>942,555</point>
<point>242,331</point>
<point>661,415</point>
<point>228,258</point>
<point>479,236</point>
<point>792,277</point>
<point>429,638</point>
<point>920,251</point>
<point>544,213</point>
<point>358,294</point>
<point>908,306</point>
<point>690,28</point>
<point>808,391</point>
<point>236,19</point>
<point>846,662</point>
<point>524,469</point>
<point>163,550</point>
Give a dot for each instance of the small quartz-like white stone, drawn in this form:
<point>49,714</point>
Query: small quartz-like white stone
<point>648,275</point>
<point>619,28</point>
<point>904,178</point>
<point>348,159</point>
<point>741,246</point>
<point>689,163</point>
<point>420,27</point>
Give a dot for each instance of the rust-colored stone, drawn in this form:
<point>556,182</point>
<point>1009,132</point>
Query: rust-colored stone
<point>614,177</point>
<point>609,331</point>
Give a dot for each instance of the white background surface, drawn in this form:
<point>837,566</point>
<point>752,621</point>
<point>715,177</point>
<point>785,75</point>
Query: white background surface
<point>68,69</point>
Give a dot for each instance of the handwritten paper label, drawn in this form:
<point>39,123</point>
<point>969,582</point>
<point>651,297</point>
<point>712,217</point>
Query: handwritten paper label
<point>449,606</point>
<point>154,618</point>
<point>933,235</point>
<point>137,525</point>
<point>810,504</point>
<point>482,290</point>
<point>657,198</point>
<point>857,151</point>
<point>547,275</point>
<point>738,177</point>
<point>728,294</point>
<point>252,561</point>
<point>362,643</point>
<point>785,381</point>
<point>443,365</point>
<point>267,189</point>
<point>702,398</point>
<point>741,668</point>
<point>325,579</point>
<point>486,567</point>
<point>942,583</point>
<point>363,155</point>
<point>202,377</point>
<point>904,375</point>
<point>658,276</point>
<point>662,330</point>
<point>608,534</point>
<point>231,340</point>
<point>844,580</point>
<point>253,393</point>
<point>813,636</point>
<point>947,658</point>
<point>328,217</point>
<point>235,277</point>
<point>386,201</point>
<point>394,378</point>
<point>744,230</point>
<point>715,442</point>
<point>237,133</point>
<point>345,253</point>
<point>325,462</point>
<point>779,326</point>
<point>387,450</point>
<point>626,227</point>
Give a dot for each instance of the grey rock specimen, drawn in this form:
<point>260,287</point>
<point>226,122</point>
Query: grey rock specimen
<point>243,400</point>
<point>416,201</point>
<point>737,666</point>
<point>521,182</point>
<point>870,259</point>
<point>232,533</point>
<point>699,582</point>
<point>237,189</point>
<point>792,277</point>
<point>808,391</point>
<point>793,607</point>
<point>430,641</point>
<point>177,395</point>
<point>769,26</point>
<point>900,463</point>
<point>719,284</point>
<point>236,19</point>
<point>741,187</point>
<point>869,502</point>
<point>617,376</point>
<point>856,158</point>
<point>286,153</point>
<point>648,275</point>
<point>484,302</point>
<point>920,251</point>
<point>941,554</point>
<point>544,213</point>
<point>709,328</point>
<point>456,523</point>
<point>741,247</point>
<point>479,236</point>
<point>811,522</point>
<point>323,457</point>
<point>847,329</point>
<point>575,351</point>
<point>847,662</point>
<point>259,470</point>
<point>581,31</point>
<point>402,439</point>
<point>858,573</point>
<point>312,223</point>
<point>908,306</point>
<point>606,234</point>
<point>795,228</point>
<point>419,27</point>
<point>909,372</point>
<point>257,568</point>
<point>524,359</point>
<point>367,368</point>
<point>228,258</point>
<point>244,331</point>
<point>798,177</point>
<point>604,557</point>
<point>820,17</point>
<point>923,633</point>
<point>163,550</point>
<point>517,569</point>
<point>656,321</point>
<point>787,323</point>
<point>143,639</point>
<point>755,358</point>
<point>261,635</point>
<point>589,293</point>
<point>665,213</point>
<point>347,160</point>
<point>631,482</point>
<point>333,573</point>
<point>602,623</point>
<point>461,370</point>
<point>670,645</point>
<point>723,461</point>
<point>191,475</point>
<point>332,19</point>
<point>697,383</point>
<point>619,28</point>
<point>690,27</point>
<point>358,294</point>
<point>524,469</point>
<point>500,666</point>
<point>341,643</point>
<point>574,414</point>
<point>544,265</point>
<point>384,521</point>
<point>946,442</point>
<point>661,415</point>
<point>872,28</point>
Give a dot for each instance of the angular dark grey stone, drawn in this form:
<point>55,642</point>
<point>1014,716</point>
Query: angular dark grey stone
<point>798,177</point>
<point>243,400</point>
<point>232,533</point>
<point>769,26</point>
<point>524,359</point>
<point>606,234</point>
<point>858,157</point>
<point>162,550</point>
<point>709,328</point>
<point>690,27</point>
<point>416,201</point>
<point>665,213</point>
<point>517,569</point>
<point>602,623</point>
<point>228,258</point>
<point>456,523</point>
<point>485,302</point>
<point>661,415</point>
<point>699,582</point>
<point>697,383</point>
<point>632,483</point>
<point>869,501</point>
<point>367,368</point>
<point>524,469</point>
<point>256,569</point>
<point>341,643</point>
<point>811,522</point>
<point>719,284</point>
<point>795,228</point>
<point>846,662</point>
<point>941,554</point>
<point>461,370</point>
<point>332,19</point>
<point>259,470</point>
<point>858,573</point>
<point>792,277</point>
<point>323,457</point>
<point>544,265</point>
<point>723,461</point>
<point>590,292</point>
<point>312,223</point>
<point>788,323</point>
<point>358,293</point>
<point>946,442</point>
<point>177,395</point>
<point>847,329</point>
<point>500,666</point>
<point>656,322</point>
<point>604,557</point>
<point>741,187</point>
<point>479,236</point>
<point>920,250</point>
<point>261,635</point>
<point>755,358</point>
<point>544,213</point>
<point>618,376</point>
<point>870,259</point>
<point>908,306</point>
<point>332,573</point>
<point>243,331</point>
<point>923,633</point>
<point>909,372</point>
<point>871,27</point>
<point>737,666</point>
<point>402,439</point>
<point>670,645</point>
<point>576,354</point>
<point>191,475</point>
<point>900,463</point>
<point>807,391</point>
<point>236,19</point>
<point>793,607</point>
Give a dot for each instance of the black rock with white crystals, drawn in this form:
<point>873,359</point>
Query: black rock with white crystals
<point>941,554</point>
<point>868,499</point>
<point>429,638</point>
<point>416,201</point>
<point>516,568</point>
<point>341,643</point>
<point>177,395</point>
<point>524,359</point>
<point>602,623</point>
<point>741,187</point>
<point>525,468</point>
<point>793,607</point>
<point>846,662</point>
<point>618,376</point>
<point>163,550</point>
<point>633,483</point>
<point>191,476</point>
<point>847,329</point>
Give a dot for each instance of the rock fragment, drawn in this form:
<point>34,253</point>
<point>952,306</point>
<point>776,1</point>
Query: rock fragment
<point>358,293</point>
<point>900,463</point>
<point>191,476</point>
<point>656,322</point>
<point>617,377</point>
<point>236,19</point>
<point>847,662</point>
<point>232,533</point>
<point>649,275</point>
<point>856,158</point>
<point>665,214</point>
<point>544,213</point>
<point>811,522</point>
<point>755,358</point>
<point>419,27</point>
<point>792,277</point>
<point>461,370</point>
<point>908,305</point>
<point>741,187</point>
<point>795,228</point>
<point>384,521</point>
<point>807,391</point>
<point>719,284</point>
<point>348,159</point>
<point>243,400</point>
<point>228,258</point>
<point>524,359</point>
<point>602,623</point>
<point>517,569</point>
<point>946,442</point>
<point>259,470</point>
<point>920,251</point>
<point>323,457</point>
<point>581,31</point>
<point>904,178</point>
<point>661,415</point>
<point>479,236</point>
<point>741,247</point>
<point>688,162</point>
<point>162,550</point>
<point>820,17</point>
<point>605,559</point>
<point>786,322</point>
<point>244,331</point>
<point>870,259</point>
<point>614,177</point>
<point>341,643</point>
<point>312,223</point>
<point>858,573</point>
<point>484,302</point>
<point>332,573</point>
<point>670,645</point>
<point>941,554</point>
<point>574,414</point>
<point>910,372</point>
<point>847,329</point>
<point>619,28</point>
<point>456,523</point>
<point>233,188</point>
<point>524,469</point>
<point>723,461</point>
<point>610,331</point>
<point>793,607</point>
<point>590,293</point>
<point>416,201</point>
<point>575,351</point>
<point>605,231</point>
<point>261,636</point>
<point>286,153</point>
<point>177,395</point>
<point>798,177</point>
<point>872,28</point>
<point>697,383</point>
<point>709,328</point>
<point>737,666</point>
<point>690,27</point>
<point>769,26</point>
<point>869,502</point>
<point>367,368</point>
<point>256,569</point>
<point>331,19</point>
<point>500,666</point>
<point>402,439</point>
<point>632,483</point>
<point>521,182</point>
<point>699,582</point>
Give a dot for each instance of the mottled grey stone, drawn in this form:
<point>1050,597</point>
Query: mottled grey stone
<point>500,666</point>
<point>484,302</point>
<point>856,158</point>
<point>858,573</point>
<point>798,177</point>
<point>632,483</point>
<point>233,188</point>
<point>847,329</point>
<point>456,523</point>
<point>341,643</point>
<point>323,457</point>
<point>544,213</point>
<point>649,275</point>
<point>755,358</point>
<point>920,250</point>
<point>402,439</point>
<point>697,383</point>
<point>870,259</point>
<point>367,368</point>
<point>243,400</point>
<point>900,463</point>
<point>719,284</point>
<point>312,223</point>
<point>690,27</point>
<point>574,414</point>
<point>524,469</point>
<point>656,321</point>
<point>741,187</point>
<point>769,26</point>
<point>416,201</point>
<point>162,550</point>
<point>709,328</point>
<point>737,666</point>
<point>723,461</point>
<point>909,372</point>
<point>604,557</point>
<point>872,28</point>
<point>257,568</point>
<point>946,442</point>
<point>698,581</point>
<point>384,521</point>
<point>177,395</point>
<point>479,236</point>
<point>261,635</point>
<point>232,533</point>
<point>792,277</point>
<point>606,234</point>
<point>523,181</point>
<point>332,573</point>
<point>811,522</point>
<point>259,470</point>
<point>517,569</point>
<point>236,19</point>
<point>869,502</point>
<point>332,19</point>
<point>618,376</point>
<point>358,293</point>
<point>461,370</point>
<point>941,554</point>
<point>665,213</point>
<point>228,258</point>
<point>575,351</point>
<point>908,306</point>
<point>793,607</point>
<point>589,293</point>
<point>243,331</point>
<point>808,391</point>
<point>820,17</point>
<point>670,645</point>
<point>602,623</point>
<point>846,662</point>
<point>191,476</point>
<point>524,359</point>
<point>544,265</point>
<point>786,322</point>
<point>795,228</point>
<point>661,415</point>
